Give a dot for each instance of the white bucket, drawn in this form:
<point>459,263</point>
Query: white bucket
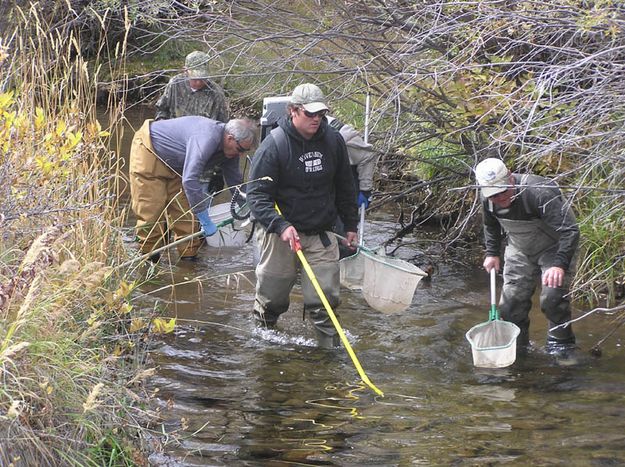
<point>220,213</point>
<point>228,235</point>
<point>493,343</point>
<point>389,283</point>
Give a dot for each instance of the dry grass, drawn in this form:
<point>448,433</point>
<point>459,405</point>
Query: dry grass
<point>65,344</point>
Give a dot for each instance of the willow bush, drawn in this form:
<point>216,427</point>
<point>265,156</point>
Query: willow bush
<point>538,83</point>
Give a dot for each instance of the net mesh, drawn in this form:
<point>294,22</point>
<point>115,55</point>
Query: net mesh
<point>389,283</point>
<point>493,343</point>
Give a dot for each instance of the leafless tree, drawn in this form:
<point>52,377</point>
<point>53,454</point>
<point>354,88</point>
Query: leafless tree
<point>538,82</point>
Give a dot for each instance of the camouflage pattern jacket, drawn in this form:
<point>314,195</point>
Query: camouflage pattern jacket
<point>179,100</point>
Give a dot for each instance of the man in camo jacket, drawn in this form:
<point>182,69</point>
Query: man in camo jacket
<point>193,93</point>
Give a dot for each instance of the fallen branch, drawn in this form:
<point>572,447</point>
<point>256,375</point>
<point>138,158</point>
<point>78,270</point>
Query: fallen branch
<point>595,349</point>
<point>563,325</point>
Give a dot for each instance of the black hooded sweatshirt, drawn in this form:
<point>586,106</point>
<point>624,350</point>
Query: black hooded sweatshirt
<point>311,185</point>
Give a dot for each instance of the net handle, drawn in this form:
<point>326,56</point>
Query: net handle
<point>371,253</point>
<point>493,314</point>
<point>361,233</point>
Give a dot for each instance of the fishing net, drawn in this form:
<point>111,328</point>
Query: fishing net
<point>352,271</point>
<point>493,343</point>
<point>352,268</point>
<point>389,283</point>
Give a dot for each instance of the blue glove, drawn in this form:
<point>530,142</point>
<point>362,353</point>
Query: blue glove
<point>208,226</point>
<point>364,197</point>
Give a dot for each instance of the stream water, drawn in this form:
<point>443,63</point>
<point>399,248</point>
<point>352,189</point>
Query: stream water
<point>233,394</point>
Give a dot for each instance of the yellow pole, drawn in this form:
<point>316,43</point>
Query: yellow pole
<point>335,321</point>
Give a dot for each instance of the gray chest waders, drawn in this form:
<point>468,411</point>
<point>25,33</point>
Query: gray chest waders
<point>532,246</point>
<point>530,237</point>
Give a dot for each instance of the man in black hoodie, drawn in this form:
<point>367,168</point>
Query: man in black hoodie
<point>310,183</point>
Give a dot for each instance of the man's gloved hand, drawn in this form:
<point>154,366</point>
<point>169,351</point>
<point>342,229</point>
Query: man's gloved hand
<point>208,226</point>
<point>364,198</point>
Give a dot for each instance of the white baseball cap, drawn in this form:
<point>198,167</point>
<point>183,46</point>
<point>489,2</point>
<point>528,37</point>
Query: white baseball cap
<point>492,176</point>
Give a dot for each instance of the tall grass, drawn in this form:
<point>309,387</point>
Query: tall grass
<point>602,250</point>
<point>64,314</point>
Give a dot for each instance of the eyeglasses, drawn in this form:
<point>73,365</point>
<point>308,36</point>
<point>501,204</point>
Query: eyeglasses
<point>241,149</point>
<point>320,114</point>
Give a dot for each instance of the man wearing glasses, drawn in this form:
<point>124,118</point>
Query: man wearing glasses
<point>170,165</point>
<point>542,238</point>
<point>309,182</point>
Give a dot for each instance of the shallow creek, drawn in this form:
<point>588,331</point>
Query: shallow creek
<point>233,394</point>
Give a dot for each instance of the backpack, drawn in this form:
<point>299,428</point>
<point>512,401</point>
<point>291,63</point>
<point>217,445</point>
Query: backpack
<point>336,124</point>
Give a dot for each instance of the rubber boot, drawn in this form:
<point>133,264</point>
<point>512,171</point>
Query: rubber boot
<point>262,318</point>
<point>561,341</point>
<point>192,259</point>
<point>326,341</point>
<point>327,336</point>
<point>262,322</point>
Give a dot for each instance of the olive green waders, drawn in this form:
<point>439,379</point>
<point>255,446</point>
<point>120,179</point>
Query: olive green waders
<point>158,199</point>
<point>277,272</point>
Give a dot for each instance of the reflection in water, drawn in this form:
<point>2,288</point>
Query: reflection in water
<point>234,394</point>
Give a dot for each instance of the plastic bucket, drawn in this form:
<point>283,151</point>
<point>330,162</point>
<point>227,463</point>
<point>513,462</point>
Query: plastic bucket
<point>226,236</point>
<point>389,283</point>
<point>493,343</point>
<point>220,213</point>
